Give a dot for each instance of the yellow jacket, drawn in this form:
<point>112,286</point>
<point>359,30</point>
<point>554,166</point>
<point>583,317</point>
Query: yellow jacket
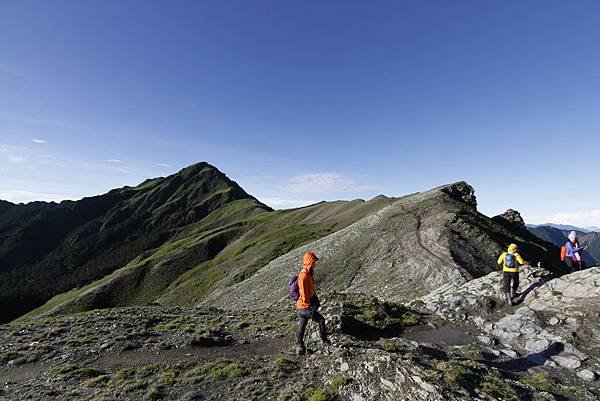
<point>515,269</point>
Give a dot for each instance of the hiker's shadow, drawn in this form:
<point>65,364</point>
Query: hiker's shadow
<point>531,360</point>
<point>540,282</point>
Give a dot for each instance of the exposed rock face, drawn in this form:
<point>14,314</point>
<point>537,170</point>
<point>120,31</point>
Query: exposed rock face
<point>416,244</point>
<point>511,216</point>
<point>463,192</point>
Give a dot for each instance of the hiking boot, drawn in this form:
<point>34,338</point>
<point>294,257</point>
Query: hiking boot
<point>300,350</point>
<point>508,298</point>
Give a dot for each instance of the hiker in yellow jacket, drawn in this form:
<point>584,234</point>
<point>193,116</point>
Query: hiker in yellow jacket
<point>510,261</point>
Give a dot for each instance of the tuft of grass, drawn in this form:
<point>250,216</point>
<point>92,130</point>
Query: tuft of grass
<point>340,381</point>
<point>390,346</point>
<point>455,374</point>
<point>499,388</point>
<point>544,382</point>
<point>150,376</point>
<point>470,350</point>
<point>70,371</point>
<point>283,366</point>
<point>317,394</point>
<point>540,381</point>
<point>6,357</point>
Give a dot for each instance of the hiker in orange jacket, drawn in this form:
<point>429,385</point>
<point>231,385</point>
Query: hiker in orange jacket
<point>308,303</point>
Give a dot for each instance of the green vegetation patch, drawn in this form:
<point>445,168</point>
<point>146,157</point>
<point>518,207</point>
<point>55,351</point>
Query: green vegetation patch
<point>283,366</point>
<point>317,394</point>
<point>6,357</point>
<point>70,371</point>
<point>469,375</point>
<point>340,381</point>
<point>370,318</point>
<point>217,370</point>
<point>544,382</point>
<point>147,376</point>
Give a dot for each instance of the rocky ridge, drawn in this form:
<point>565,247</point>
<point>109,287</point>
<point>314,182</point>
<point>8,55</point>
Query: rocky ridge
<point>554,324</point>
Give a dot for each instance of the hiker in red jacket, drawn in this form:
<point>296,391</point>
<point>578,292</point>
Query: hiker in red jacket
<point>308,303</point>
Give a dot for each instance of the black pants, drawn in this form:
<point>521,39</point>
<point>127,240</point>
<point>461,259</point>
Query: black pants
<point>507,278</point>
<point>572,265</point>
<point>304,315</point>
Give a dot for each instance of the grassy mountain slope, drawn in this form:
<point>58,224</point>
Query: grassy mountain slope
<point>223,249</point>
<point>49,248</point>
<point>416,244</point>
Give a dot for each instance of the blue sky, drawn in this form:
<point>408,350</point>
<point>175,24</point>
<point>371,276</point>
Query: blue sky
<point>304,101</point>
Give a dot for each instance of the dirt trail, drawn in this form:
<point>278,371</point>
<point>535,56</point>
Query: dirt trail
<point>23,373</point>
<point>252,351</point>
<point>264,349</point>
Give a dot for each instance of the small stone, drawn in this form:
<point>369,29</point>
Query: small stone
<point>510,353</point>
<point>553,321</point>
<point>487,340</point>
<point>537,345</point>
<point>388,384</point>
<point>587,375</point>
<point>568,362</point>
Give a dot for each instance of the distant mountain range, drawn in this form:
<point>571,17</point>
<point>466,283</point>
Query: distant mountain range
<point>557,234</point>
<point>566,227</point>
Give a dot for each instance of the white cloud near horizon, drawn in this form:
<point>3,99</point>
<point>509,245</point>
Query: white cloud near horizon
<point>38,140</point>
<point>285,203</point>
<point>325,183</point>
<point>580,219</point>
<point>16,196</point>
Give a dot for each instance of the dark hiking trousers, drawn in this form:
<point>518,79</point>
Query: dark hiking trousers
<point>572,265</point>
<point>507,278</point>
<point>304,315</point>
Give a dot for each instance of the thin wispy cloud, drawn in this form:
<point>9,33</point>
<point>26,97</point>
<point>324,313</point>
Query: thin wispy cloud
<point>37,140</point>
<point>163,165</point>
<point>8,68</point>
<point>16,159</point>
<point>112,161</point>
<point>325,183</point>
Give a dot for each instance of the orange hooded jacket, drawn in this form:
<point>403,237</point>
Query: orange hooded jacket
<point>306,283</point>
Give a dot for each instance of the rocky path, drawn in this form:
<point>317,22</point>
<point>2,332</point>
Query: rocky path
<point>553,326</point>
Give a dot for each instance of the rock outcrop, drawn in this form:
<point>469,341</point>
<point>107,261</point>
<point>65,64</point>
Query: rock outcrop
<point>511,216</point>
<point>553,325</point>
